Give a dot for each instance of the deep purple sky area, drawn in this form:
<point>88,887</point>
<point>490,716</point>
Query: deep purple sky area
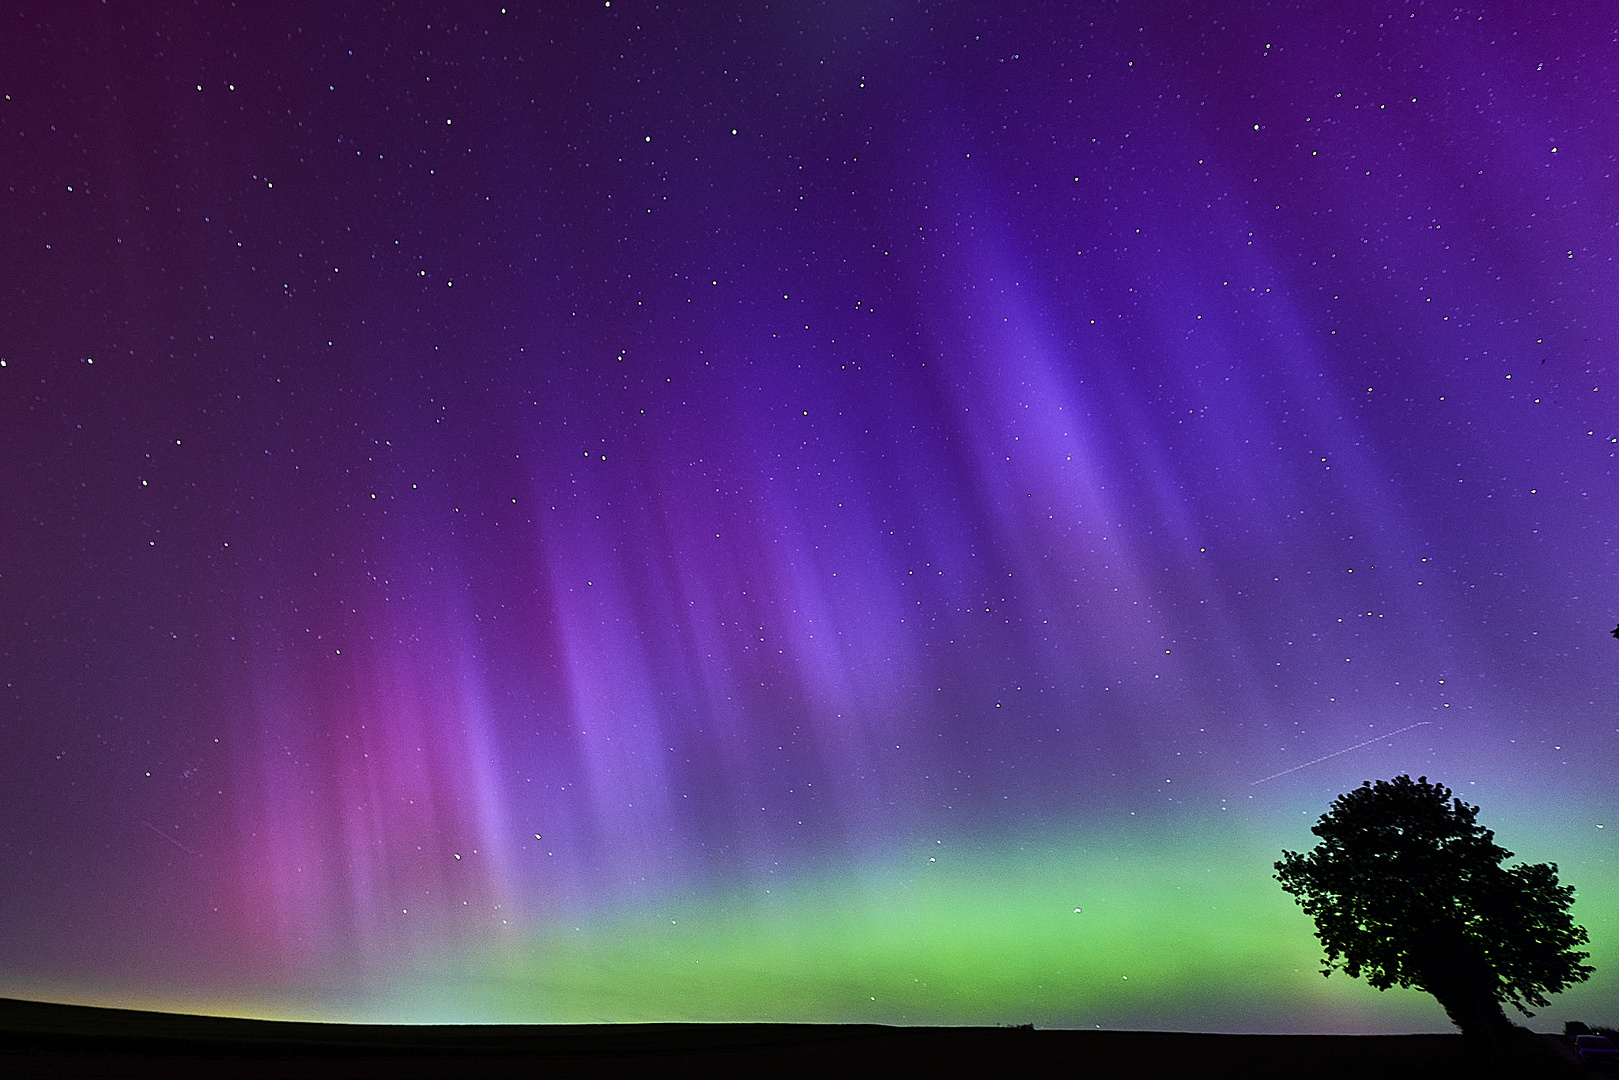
<point>728,440</point>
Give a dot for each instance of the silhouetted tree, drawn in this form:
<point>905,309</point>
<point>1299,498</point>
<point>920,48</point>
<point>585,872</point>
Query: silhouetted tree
<point>1408,889</point>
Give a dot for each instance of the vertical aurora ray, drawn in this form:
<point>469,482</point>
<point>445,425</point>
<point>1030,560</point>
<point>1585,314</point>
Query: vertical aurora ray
<point>377,792</point>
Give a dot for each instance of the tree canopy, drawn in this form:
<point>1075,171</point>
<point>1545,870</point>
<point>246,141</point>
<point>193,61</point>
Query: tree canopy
<point>1407,889</point>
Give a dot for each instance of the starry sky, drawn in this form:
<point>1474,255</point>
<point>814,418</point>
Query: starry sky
<point>911,507</point>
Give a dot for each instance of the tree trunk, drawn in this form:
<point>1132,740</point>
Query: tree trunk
<point>1456,972</point>
<point>1477,1015</point>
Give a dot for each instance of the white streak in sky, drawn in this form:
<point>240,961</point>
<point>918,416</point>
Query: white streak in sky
<point>169,838</point>
<point>1335,753</point>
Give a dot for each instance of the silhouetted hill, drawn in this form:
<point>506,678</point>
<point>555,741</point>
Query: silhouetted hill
<point>40,1039</point>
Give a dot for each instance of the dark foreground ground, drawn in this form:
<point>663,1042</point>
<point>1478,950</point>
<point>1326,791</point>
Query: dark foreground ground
<point>45,1040</point>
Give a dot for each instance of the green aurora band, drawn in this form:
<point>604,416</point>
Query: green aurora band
<point>1177,927</point>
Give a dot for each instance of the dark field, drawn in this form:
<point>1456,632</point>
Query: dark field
<point>46,1040</point>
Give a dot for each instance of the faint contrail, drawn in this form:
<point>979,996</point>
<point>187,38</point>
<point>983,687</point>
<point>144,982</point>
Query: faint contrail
<point>169,838</point>
<point>1335,753</point>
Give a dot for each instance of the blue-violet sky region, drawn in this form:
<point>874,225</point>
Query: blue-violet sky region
<point>480,473</point>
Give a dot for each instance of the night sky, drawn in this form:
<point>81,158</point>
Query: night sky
<point>880,512</point>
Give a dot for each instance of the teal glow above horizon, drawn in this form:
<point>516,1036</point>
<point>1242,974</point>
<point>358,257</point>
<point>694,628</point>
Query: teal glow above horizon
<point>1175,925</point>
<point>1169,925</point>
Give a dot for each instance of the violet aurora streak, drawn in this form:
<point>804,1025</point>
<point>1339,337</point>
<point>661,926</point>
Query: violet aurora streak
<point>526,501</point>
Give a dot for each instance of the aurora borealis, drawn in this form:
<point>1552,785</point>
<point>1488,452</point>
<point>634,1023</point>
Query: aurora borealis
<point>911,507</point>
